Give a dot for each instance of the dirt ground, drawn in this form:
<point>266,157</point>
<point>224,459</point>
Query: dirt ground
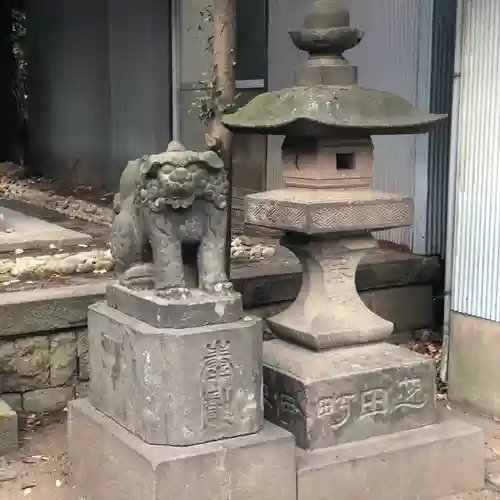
<point>39,470</point>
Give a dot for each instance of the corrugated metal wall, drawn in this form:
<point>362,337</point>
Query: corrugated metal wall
<point>388,59</point>
<point>398,54</point>
<point>476,259</point>
<point>443,50</point>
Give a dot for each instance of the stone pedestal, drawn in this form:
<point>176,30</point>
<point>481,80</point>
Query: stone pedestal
<point>176,386</point>
<point>366,424</point>
<point>430,462</point>
<point>176,413</point>
<point>110,463</point>
<point>348,394</point>
<point>328,311</point>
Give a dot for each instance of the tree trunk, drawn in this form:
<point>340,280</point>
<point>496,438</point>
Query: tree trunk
<point>224,61</point>
<point>224,54</point>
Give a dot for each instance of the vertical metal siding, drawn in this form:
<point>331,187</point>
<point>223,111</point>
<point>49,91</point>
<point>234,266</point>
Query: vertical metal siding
<point>388,60</point>
<point>476,268</point>
<point>443,49</point>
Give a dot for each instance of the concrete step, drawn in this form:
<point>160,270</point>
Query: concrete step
<point>424,464</point>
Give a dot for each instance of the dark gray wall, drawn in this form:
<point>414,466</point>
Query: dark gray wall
<point>140,79</point>
<point>99,86</point>
<point>10,123</point>
<point>68,88</point>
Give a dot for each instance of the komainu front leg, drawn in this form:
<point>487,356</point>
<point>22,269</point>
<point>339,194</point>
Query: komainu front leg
<point>167,259</point>
<point>127,249</point>
<point>212,253</point>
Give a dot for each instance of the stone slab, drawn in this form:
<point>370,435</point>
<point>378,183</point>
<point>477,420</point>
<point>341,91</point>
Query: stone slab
<point>176,386</point>
<point>22,231</point>
<point>328,210</point>
<point>421,464</point>
<point>201,309</point>
<point>47,400</point>
<point>46,310</point>
<point>9,437</point>
<point>347,394</point>
<point>109,463</point>
<point>14,400</point>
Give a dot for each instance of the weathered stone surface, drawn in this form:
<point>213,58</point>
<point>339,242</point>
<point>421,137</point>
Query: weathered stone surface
<point>176,386</point>
<point>388,268</point>
<point>30,232</point>
<point>409,308</point>
<point>47,400</point>
<point>82,347</point>
<point>122,467</point>
<point>14,400</point>
<point>345,395</point>
<point>46,310</point>
<point>425,463</point>
<point>24,364</point>
<point>322,211</point>
<point>273,280</point>
<point>279,278</point>
<point>328,312</point>
<point>168,201</point>
<point>63,358</point>
<point>82,390</point>
<point>9,436</point>
<point>200,309</point>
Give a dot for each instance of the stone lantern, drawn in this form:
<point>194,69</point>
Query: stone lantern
<point>328,377</point>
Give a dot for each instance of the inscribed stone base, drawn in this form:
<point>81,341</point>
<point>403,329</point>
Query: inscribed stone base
<point>419,464</point>
<point>347,394</point>
<point>109,463</point>
<point>176,387</point>
<point>200,309</point>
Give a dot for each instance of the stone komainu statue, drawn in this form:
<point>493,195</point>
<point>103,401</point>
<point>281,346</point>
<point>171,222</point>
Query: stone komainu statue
<point>165,201</point>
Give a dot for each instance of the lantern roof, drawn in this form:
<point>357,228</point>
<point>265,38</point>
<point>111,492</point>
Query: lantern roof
<point>326,97</point>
